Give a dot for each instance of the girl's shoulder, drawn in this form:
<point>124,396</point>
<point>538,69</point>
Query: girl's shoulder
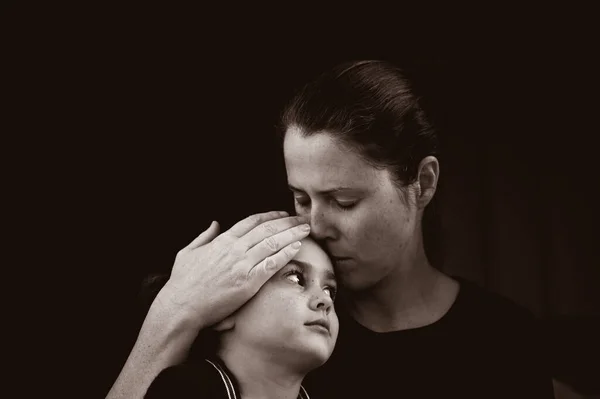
<point>200,379</point>
<point>208,379</point>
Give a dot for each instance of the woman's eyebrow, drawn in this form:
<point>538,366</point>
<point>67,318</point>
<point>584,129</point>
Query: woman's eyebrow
<point>340,190</point>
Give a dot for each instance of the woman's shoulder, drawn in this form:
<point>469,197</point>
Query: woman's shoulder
<point>474,301</point>
<point>200,379</point>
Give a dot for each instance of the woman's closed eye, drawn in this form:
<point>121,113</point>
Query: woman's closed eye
<point>345,205</point>
<point>301,202</point>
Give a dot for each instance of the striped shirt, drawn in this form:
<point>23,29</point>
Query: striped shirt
<point>232,392</point>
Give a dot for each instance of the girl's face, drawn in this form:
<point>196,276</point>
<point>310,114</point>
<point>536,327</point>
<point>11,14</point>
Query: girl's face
<point>366,224</point>
<point>292,316</point>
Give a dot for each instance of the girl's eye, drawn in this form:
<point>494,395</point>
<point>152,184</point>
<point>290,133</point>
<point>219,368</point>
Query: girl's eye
<point>296,277</point>
<point>331,291</point>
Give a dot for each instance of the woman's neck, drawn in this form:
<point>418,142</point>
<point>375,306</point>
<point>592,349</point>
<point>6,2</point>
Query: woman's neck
<point>261,376</point>
<point>405,299</point>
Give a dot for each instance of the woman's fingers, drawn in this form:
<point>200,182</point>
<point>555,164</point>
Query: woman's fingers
<point>269,229</point>
<point>264,270</point>
<point>273,244</point>
<point>216,274</point>
<point>206,236</point>
<point>245,225</point>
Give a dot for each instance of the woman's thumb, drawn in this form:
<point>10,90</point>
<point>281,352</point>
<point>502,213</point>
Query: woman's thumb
<point>206,236</point>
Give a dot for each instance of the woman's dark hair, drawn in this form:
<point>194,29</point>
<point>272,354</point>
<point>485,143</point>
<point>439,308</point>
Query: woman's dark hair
<point>370,107</point>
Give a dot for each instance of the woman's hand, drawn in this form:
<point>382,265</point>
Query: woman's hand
<point>217,273</point>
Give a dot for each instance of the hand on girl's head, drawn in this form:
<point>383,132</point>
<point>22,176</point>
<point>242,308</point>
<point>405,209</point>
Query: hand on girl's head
<point>217,273</point>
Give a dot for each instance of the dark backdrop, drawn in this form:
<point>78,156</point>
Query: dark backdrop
<point>151,122</point>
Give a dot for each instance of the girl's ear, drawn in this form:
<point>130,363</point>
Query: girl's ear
<point>227,324</point>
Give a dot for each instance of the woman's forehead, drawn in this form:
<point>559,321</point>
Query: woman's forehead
<point>319,147</point>
<point>324,164</point>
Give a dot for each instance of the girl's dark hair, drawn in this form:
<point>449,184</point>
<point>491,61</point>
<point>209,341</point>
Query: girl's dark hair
<point>370,107</point>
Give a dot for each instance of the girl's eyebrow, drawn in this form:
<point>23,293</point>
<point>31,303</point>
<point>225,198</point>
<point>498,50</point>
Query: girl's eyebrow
<point>305,266</point>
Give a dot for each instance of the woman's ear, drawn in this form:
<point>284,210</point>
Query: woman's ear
<point>227,324</point>
<point>429,174</point>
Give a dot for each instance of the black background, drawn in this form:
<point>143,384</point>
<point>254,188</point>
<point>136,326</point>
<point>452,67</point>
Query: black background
<point>137,125</point>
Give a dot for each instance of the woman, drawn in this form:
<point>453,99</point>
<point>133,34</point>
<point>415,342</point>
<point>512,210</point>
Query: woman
<point>361,162</point>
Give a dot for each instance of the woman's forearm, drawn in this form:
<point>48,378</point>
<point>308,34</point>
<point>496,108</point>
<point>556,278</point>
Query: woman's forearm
<point>164,340</point>
<point>210,280</point>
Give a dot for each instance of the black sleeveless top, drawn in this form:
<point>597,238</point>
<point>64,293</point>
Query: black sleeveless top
<point>484,347</point>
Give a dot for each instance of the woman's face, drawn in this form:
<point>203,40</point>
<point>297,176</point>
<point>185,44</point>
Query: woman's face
<point>367,225</point>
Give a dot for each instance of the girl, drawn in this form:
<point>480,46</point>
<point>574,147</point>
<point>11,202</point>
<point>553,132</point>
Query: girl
<point>266,348</point>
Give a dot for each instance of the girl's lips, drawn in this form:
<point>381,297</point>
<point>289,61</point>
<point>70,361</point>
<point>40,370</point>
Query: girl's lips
<point>320,324</point>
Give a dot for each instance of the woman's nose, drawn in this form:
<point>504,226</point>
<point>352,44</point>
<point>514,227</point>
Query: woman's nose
<point>320,226</point>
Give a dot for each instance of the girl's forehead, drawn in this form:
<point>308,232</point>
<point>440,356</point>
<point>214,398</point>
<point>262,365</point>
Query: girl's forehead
<point>313,257</point>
